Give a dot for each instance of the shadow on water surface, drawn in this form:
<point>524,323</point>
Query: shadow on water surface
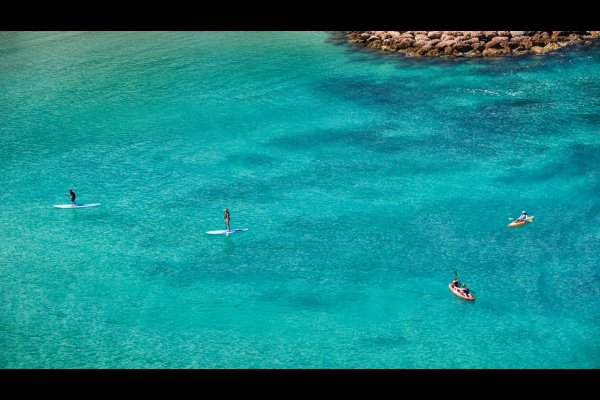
<point>389,92</point>
<point>580,160</point>
<point>317,300</point>
<point>385,341</point>
<point>251,159</point>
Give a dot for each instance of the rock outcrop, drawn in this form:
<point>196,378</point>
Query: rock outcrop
<point>472,43</point>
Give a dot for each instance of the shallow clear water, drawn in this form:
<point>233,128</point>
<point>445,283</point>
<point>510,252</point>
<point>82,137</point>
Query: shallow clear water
<point>364,181</point>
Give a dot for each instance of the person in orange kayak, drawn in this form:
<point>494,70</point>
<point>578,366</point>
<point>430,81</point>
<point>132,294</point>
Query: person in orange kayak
<point>460,286</point>
<point>523,216</point>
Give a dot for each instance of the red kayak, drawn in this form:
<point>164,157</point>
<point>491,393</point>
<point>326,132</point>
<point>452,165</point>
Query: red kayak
<point>460,294</point>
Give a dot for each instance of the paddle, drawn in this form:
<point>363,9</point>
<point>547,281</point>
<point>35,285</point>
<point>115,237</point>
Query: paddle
<point>456,276</point>
<point>461,285</point>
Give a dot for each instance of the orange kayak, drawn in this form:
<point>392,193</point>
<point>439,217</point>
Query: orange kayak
<point>516,223</point>
<point>460,294</point>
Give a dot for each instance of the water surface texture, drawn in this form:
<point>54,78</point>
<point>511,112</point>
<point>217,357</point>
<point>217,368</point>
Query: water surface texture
<point>365,182</point>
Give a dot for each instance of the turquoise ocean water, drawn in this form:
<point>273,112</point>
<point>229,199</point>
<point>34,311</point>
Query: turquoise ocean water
<point>364,181</point>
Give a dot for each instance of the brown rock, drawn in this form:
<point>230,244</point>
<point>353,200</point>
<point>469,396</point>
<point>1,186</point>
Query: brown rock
<point>526,43</point>
<point>551,47</point>
<point>491,52</point>
<point>364,36</point>
<point>449,50</point>
<point>496,42</point>
<point>353,37</point>
<point>471,40</point>
<point>405,43</point>
<point>537,49</point>
<point>513,45</point>
<point>427,47</point>
<point>443,44</point>
<point>462,47</point>
<point>480,46</point>
<point>472,43</point>
<point>540,39</point>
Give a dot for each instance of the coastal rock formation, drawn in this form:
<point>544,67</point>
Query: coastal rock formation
<point>472,43</point>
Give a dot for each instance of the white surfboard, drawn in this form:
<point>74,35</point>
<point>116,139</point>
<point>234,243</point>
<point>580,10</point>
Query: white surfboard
<point>76,205</point>
<point>224,231</point>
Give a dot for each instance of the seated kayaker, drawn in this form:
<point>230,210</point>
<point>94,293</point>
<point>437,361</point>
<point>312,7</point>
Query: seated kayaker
<point>466,291</point>
<point>455,283</point>
<point>523,216</point>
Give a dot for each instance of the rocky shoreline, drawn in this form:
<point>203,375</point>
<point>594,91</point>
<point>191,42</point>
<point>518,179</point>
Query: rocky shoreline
<point>472,43</point>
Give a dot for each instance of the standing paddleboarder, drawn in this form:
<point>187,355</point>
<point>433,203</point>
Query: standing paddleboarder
<point>72,194</point>
<point>226,216</point>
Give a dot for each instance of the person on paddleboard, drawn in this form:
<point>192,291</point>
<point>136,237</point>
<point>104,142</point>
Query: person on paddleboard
<point>226,216</point>
<point>523,216</point>
<point>72,194</point>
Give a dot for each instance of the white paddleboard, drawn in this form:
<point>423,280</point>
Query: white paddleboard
<point>224,231</point>
<point>76,205</point>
